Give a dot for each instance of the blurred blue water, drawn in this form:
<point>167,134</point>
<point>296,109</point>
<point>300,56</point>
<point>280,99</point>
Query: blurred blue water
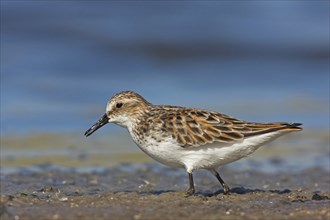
<point>259,61</point>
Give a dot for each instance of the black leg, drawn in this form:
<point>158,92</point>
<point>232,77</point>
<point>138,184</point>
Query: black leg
<point>223,184</point>
<point>191,189</point>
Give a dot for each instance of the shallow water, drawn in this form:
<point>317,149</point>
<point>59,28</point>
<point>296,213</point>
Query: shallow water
<point>61,61</point>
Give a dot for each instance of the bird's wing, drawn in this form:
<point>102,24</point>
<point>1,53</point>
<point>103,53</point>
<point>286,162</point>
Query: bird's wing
<point>193,128</point>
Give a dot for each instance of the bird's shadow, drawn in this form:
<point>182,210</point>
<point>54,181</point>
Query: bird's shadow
<point>234,190</point>
<point>243,190</point>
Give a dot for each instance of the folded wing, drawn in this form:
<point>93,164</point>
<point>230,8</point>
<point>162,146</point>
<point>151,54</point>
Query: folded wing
<point>197,127</point>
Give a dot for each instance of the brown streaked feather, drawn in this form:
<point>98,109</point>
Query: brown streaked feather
<point>199,127</point>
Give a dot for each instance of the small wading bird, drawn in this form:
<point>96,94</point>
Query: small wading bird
<point>186,137</point>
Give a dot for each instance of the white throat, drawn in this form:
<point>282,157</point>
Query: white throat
<point>122,121</point>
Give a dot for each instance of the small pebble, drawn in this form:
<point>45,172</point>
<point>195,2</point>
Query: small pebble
<point>319,197</point>
<point>56,216</point>
<point>63,199</point>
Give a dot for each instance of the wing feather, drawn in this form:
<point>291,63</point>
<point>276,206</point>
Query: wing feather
<point>193,127</point>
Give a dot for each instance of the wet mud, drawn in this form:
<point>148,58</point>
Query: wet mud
<point>152,191</point>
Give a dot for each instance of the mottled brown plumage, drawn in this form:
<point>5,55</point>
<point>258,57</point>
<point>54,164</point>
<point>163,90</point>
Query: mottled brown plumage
<point>194,127</point>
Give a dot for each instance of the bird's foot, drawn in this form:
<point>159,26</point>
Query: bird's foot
<point>226,190</point>
<point>190,191</point>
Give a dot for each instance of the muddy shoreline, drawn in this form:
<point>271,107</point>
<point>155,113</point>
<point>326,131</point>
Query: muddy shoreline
<point>151,191</point>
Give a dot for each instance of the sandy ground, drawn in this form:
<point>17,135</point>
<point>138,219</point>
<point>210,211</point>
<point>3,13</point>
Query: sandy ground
<point>151,191</point>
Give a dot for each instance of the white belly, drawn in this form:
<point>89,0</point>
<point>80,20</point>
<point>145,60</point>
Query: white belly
<point>166,152</point>
<point>206,156</point>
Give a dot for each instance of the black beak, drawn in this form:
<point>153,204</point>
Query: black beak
<point>102,121</point>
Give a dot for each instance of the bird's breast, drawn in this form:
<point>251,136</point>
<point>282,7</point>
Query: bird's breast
<point>164,149</point>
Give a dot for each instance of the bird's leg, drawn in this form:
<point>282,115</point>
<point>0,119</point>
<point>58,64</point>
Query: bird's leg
<point>191,189</point>
<point>223,184</point>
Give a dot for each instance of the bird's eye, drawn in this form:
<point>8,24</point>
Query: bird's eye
<point>119,105</point>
